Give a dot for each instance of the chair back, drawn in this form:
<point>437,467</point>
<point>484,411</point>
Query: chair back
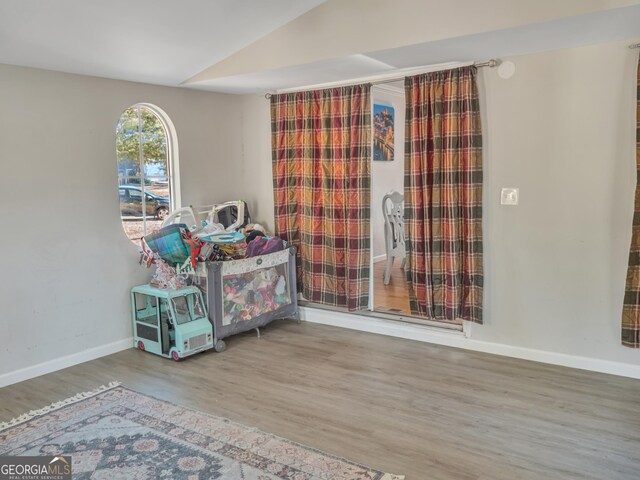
<point>393,211</point>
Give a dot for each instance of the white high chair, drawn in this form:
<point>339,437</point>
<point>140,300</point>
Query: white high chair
<point>393,212</point>
<point>182,215</point>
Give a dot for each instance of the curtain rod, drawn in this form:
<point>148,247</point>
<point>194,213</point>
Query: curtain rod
<point>489,63</point>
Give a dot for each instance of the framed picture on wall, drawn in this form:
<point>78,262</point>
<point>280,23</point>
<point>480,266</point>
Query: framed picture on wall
<point>383,131</point>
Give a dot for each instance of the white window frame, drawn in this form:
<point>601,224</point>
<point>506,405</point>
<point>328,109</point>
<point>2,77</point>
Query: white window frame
<point>173,167</point>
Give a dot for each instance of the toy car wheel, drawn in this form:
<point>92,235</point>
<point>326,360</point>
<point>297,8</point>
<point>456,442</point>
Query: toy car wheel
<point>162,213</point>
<point>220,346</point>
<point>175,356</point>
<point>140,345</point>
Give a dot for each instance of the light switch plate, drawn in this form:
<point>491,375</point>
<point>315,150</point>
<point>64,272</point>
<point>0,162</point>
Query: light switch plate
<point>509,196</point>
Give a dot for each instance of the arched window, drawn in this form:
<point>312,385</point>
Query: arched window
<point>146,151</point>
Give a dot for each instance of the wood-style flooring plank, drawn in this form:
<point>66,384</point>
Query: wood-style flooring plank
<point>428,411</point>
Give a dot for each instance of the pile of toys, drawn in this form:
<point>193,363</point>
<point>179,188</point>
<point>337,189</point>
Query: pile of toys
<point>207,283</point>
<point>177,248</point>
<point>254,293</point>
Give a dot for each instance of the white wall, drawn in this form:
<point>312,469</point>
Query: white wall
<point>387,176</point>
<point>257,179</point>
<point>67,265</point>
<point>563,131</point>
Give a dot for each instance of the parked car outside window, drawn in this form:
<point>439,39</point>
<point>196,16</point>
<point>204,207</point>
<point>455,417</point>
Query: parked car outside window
<point>131,203</point>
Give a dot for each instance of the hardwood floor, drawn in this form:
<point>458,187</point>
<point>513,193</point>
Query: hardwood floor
<point>427,411</point>
<point>392,298</point>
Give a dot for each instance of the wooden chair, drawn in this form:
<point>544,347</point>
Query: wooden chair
<point>393,212</point>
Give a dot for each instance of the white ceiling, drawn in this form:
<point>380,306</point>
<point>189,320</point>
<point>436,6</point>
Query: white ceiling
<point>569,32</point>
<point>167,42</point>
<point>327,71</point>
<point>153,41</point>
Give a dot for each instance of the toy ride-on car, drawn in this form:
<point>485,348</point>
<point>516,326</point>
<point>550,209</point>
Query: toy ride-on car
<point>171,323</point>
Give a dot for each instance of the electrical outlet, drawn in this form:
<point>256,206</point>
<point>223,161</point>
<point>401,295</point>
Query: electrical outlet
<point>509,196</point>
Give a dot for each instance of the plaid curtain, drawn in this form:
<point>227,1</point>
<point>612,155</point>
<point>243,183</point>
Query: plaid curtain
<point>443,195</point>
<point>631,306</point>
<point>321,152</point>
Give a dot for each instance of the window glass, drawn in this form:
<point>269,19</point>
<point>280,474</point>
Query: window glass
<point>144,171</point>
<point>146,310</point>
<point>135,196</point>
<point>187,308</point>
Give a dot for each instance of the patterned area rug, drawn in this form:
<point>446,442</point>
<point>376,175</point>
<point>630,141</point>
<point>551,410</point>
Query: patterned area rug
<point>115,433</point>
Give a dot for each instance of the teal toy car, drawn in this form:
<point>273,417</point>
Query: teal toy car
<point>171,323</point>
